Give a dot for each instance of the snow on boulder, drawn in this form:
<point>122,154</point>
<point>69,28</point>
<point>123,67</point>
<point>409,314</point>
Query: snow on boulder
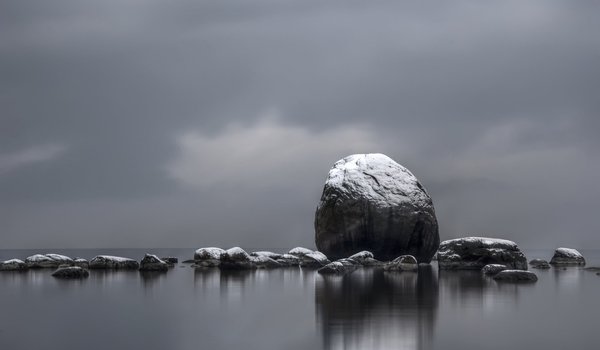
<point>309,258</point>
<point>81,263</point>
<point>370,202</point>
<point>13,265</point>
<point>153,263</point>
<point>567,256</point>
<point>113,262</point>
<point>473,253</point>
<point>236,258</point>
<point>492,269</point>
<point>515,276</point>
<point>266,254</point>
<point>265,262</point>
<point>339,267</point>
<point>208,257</point>
<point>288,260</point>
<point>70,272</point>
<point>539,264</point>
<point>402,263</point>
<point>365,258</point>
<point>48,260</point>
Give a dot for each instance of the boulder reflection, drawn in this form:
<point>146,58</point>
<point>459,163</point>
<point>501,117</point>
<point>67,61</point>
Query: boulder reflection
<point>373,309</point>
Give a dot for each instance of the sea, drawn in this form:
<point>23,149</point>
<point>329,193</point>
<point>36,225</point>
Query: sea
<point>294,308</point>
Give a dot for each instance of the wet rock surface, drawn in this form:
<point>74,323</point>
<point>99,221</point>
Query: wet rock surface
<point>567,256</point>
<point>473,253</point>
<point>402,263</point>
<point>492,269</point>
<point>370,202</point>
<point>113,262</point>
<point>339,267</point>
<point>515,276</point>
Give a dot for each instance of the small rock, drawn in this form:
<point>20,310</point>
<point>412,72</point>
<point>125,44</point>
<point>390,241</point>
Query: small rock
<point>264,262</point>
<point>237,259</point>
<point>288,260</point>
<point>153,263</point>
<point>84,264</point>
<point>567,256</point>
<point>208,257</point>
<point>299,251</point>
<point>492,269</point>
<point>473,253</point>
<point>339,267</point>
<point>13,265</point>
<point>71,272</point>
<point>515,276</point>
<point>402,263</point>
<point>170,260</point>
<point>539,264</point>
<point>365,258</point>
<point>113,262</point>
<point>271,255</point>
<point>47,260</point>
<point>309,258</point>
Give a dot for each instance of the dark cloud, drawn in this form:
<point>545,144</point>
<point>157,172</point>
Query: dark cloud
<point>493,106</point>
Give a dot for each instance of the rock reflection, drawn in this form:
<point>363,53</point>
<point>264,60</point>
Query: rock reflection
<point>373,309</point>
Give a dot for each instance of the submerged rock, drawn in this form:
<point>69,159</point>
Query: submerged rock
<point>372,203</point>
<point>237,259</point>
<point>48,260</point>
<point>208,257</point>
<point>515,276</point>
<point>567,256</point>
<point>339,267</point>
<point>473,253</point>
<point>402,263</point>
<point>113,262</point>
<point>309,258</point>
<point>492,269</point>
<point>71,272</point>
<point>539,264</point>
<point>153,263</point>
<point>13,265</point>
<point>365,258</point>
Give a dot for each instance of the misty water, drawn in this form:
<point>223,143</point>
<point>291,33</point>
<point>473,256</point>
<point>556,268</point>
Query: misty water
<point>295,308</point>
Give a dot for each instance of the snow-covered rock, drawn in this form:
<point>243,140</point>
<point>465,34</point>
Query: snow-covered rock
<point>113,262</point>
<point>309,258</point>
<point>515,276</point>
<point>48,260</point>
<point>13,265</point>
<point>236,258</point>
<point>208,257</point>
<point>492,269</point>
<point>153,263</point>
<point>370,202</point>
<point>71,272</point>
<point>264,262</point>
<point>300,251</point>
<point>267,254</point>
<point>402,263</point>
<point>81,262</point>
<point>539,264</point>
<point>339,267</point>
<point>288,260</point>
<point>473,253</point>
<point>365,258</point>
<point>567,256</point>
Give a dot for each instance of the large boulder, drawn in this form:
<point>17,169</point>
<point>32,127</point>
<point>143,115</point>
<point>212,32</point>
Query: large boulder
<point>113,262</point>
<point>208,257</point>
<point>372,203</point>
<point>13,265</point>
<point>567,256</point>
<point>473,253</point>
<point>47,260</point>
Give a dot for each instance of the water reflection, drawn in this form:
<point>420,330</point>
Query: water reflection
<point>373,309</point>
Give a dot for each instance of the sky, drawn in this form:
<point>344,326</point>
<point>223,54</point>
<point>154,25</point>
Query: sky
<point>214,123</point>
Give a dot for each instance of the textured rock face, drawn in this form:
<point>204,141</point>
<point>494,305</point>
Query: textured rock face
<point>372,203</point>
<point>365,258</point>
<point>236,259</point>
<point>13,265</point>
<point>80,262</point>
<point>402,263</point>
<point>567,256</point>
<point>473,253</point>
<point>153,263</point>
<point>515,276</point>
<point>47,260</point>
<point>492,269</point>
<point>339,267</point>
<point>539,264</point>
<point>71,272</point>
<point>309,258</point>
<point>113,262</point>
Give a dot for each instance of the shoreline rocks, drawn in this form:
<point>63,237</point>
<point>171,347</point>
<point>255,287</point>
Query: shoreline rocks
<point>309,258</point>
<point>402,263</point>
<point>515,276</point>
<point>473,253</point>
<point>39,261</point>
<point>539,264</point>
<point>208,257</point>
<point>567,256</point>
<point>492,269</point>
<point>153,263</point>
<point>370,202</point>
<point>236,258</point>
<point>13,265</point>
<point>339,267</point>
<point>71,272</point>
<point>113,262</point>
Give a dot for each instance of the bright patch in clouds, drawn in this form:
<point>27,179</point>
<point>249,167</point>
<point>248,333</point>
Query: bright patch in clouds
<point>13,161</point>
<point>265,154</point>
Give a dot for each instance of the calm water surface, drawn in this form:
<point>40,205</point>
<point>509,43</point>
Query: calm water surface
<point>296,309</point>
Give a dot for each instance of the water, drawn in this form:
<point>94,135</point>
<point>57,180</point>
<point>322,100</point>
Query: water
<point>296,309</point>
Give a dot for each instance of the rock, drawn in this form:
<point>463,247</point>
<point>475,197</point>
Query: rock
<point>287,260</point>
<point>365,258</point>
<point>153,263</point>
<point>264,262</point>
<point>339,267</point>
<point>80,262</point>
<point>309,258</point>
<point>71,272</point>
<point>113,262</point>
<point>492,269</point>
<point>370,202</point>
<point>402,263</point>
<point>170,260</point>
<point>515,276</point>
<point>539,264</point>
<point>47,260</point>
<point>271,255</point>
<point>13,265</point>
<point>567,256</point>
<point>592,268</point>
<point>208,257</point>
<point>473,253</point>
<point>237,259</point>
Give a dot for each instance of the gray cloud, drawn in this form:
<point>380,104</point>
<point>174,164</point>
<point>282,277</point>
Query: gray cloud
<point>493,106</point>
